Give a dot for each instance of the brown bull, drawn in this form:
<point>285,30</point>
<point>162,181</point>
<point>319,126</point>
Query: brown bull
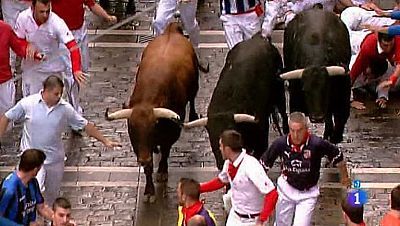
<point>166,80</point>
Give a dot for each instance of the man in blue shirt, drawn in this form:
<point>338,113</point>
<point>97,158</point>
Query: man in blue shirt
<point>21,196</point>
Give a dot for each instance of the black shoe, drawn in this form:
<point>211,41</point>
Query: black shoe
<point>77,133</point>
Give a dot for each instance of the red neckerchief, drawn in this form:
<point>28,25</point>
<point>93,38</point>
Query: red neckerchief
<point>362,224</point>
<point>189,212</point>
<point>232,170</point>
<point>297,148</point>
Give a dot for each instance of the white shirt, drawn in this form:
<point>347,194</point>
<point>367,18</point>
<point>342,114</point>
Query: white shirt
<point>46,38</point>
<point>43,126</point>
<point>354,17</point>
<point>249,186</point>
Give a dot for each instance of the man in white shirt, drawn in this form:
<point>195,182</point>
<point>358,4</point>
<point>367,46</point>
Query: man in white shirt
<point>355,19</point>
<point>45,116</point>
<point>253,194</point>
<point>45,30</point>
<point>283,11</point>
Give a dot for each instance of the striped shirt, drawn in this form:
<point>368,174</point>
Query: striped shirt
<point>18,202</point>
<point>237,6</point>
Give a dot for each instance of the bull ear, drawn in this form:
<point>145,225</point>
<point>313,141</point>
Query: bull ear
<point>336,70</point>
<point>295,74</point>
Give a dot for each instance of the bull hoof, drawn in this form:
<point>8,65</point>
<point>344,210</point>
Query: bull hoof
<point>149,198</point>
<point>162,177</point>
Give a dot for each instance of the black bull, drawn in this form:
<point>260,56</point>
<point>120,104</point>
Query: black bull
<point>248,88</point>
<point>317,43</point>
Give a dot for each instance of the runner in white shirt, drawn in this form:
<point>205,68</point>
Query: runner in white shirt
<point>253,194</point>
<point>355,19</point>
<point>45,117</point>
<point>45,30</point>
<point>283,11</point>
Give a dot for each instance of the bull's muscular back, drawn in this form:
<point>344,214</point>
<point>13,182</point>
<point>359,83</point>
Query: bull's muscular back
<point>316,38</point>
<point>246,81</point>
<point>167,73</point>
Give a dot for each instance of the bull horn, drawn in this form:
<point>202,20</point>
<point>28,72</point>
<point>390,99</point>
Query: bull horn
<point>336,70</point>
<point>196,123</point>
<point>165,113</point>
<point>295,74</point>
<point>244,118</point>
<point>124,113</point>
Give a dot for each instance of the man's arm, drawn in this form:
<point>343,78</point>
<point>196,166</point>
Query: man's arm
<point>344,175</point>
<point>336,158</point>
<point>268,158</point>
<point>359,65</point>
<point>3,125</point>
<point>92,131</point>
<point>346,3</point>
<point>99,11</point>
<point>392,79</point>
<point>65,36</point>
<point>218,182</point>
<point>45,211</point>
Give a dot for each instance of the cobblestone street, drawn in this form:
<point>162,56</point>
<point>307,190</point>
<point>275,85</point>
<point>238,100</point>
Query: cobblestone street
<point>106,186</point>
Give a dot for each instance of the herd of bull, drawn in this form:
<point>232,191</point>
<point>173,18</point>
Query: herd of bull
<point>251,85</point>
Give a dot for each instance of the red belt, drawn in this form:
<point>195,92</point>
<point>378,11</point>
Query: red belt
<point>259,11</point>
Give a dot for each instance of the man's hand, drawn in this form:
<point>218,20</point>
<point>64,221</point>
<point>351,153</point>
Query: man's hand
<point>381,13</point>
<point>111,144</point>
<point>385,84</point>
<point>372,28</point>
<point>259,223</point>
<point>30,52</point>
<point>80,77</point>
<point>34,223</point>
<point>111,19</point>
<point>357,105</point>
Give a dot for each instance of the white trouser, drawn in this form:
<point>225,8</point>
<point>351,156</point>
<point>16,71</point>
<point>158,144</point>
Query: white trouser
<point>240,27</point>
<point>276,11</point>
<point>7,96</point>
<point>81,38</point>
<point>362,81</point>
<point>294,205</point>
<point>165,13</point>
<point>32,81</point>
<point>356,38</point>
<point>235,220</point>
<point>11,10</point>
<point>300,6</point>
<point>50,177</point>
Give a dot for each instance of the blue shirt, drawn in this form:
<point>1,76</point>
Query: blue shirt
<point>395,15</point>
<point>394,30</point>
<point>43,125</point>
<point>18,202</point>
<point>301,166</point>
